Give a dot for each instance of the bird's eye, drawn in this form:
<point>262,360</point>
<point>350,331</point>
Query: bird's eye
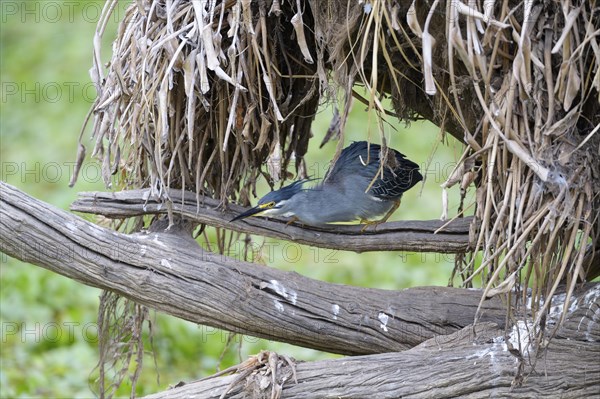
<point>268,205</point>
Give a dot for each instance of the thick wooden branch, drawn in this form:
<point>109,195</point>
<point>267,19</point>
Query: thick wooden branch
<point>414,236</point>
<point>171,273</point>
<point>476,362</point>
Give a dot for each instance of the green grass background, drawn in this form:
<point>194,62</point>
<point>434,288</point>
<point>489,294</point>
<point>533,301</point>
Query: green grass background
<point>48,322</point>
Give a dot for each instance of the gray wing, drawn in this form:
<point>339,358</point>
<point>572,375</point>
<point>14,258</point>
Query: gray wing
<point>353,160</point>
<point>399,175</point>
<point>397,179</point>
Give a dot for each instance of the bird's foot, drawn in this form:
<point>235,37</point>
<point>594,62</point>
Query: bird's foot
<point>367,223</point>
<point>376,223</point>
<point>292,220</point>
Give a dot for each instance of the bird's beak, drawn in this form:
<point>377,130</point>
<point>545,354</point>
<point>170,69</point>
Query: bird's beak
<point>248,213</point>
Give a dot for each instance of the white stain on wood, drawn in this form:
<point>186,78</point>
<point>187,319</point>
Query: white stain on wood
<point>335,309</point>
<point>278,305</point>
<point>283,292</point>
<point>383,318</point>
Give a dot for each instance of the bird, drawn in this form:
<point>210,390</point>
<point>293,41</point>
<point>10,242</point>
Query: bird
<point>354,189</point>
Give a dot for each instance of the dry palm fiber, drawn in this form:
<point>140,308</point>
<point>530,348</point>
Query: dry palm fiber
<point>198,94</point>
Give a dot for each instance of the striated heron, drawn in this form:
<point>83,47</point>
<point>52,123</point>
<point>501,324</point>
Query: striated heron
<point>353,189</point>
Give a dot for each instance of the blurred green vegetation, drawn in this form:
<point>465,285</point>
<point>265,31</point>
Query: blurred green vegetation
<point>48,322</point>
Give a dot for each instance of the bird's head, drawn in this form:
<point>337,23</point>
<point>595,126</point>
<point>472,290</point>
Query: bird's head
<point>273,202</point>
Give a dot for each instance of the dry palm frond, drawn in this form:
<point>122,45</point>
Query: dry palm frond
<point>198,94</point>
<point>537,200</point>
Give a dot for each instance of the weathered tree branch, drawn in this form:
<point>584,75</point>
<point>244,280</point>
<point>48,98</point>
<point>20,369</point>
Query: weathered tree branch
<point>476,362</point>
<point>414,236</point>
<point>171,273</point>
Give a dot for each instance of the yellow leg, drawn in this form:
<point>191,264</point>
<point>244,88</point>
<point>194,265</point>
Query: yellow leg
<point>292,220</point>
<point>367,223</point>
<point>390,212</point>
<point>384,219</point>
